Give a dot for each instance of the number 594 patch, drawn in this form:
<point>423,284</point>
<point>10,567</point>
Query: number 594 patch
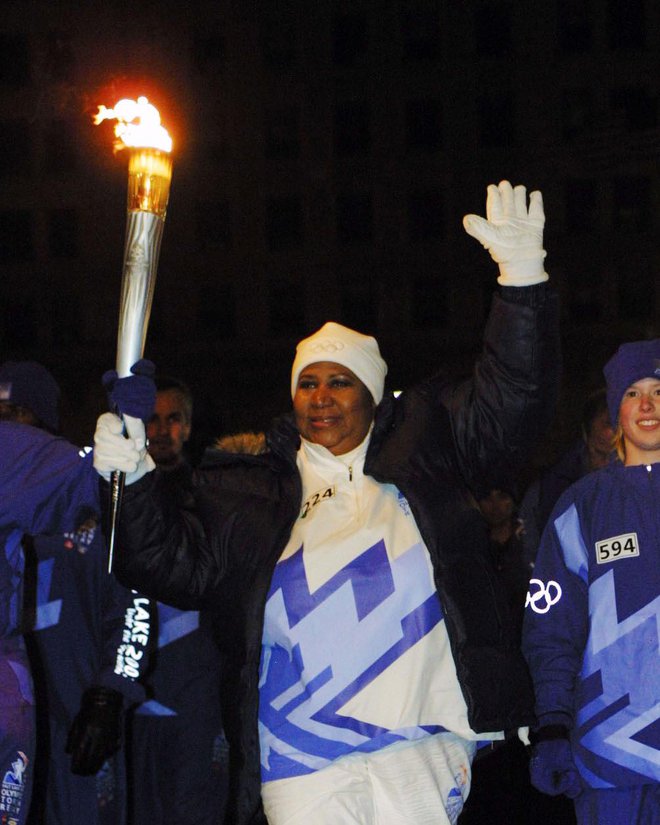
<point>618,547</point>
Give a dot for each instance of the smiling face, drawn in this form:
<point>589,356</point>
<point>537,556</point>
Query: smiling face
<point>332,407</point>
<point>639,418</point>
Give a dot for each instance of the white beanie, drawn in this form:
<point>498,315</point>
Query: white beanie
<point>341,345</point>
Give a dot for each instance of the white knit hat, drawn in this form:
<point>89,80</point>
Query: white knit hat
<point>344,346</point>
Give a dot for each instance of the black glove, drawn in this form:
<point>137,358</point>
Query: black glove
<point>96,732</point>
<point>135,394</point>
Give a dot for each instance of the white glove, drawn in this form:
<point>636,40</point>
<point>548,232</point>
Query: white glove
<point>512,234</point>
<point>114,452</point>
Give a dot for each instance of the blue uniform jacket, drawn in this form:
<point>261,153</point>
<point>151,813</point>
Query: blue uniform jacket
<point>89,629</point>
<point>46,487</point>
<point>592,624</point>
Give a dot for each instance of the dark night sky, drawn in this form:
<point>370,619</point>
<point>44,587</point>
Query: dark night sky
<point>563,97</point>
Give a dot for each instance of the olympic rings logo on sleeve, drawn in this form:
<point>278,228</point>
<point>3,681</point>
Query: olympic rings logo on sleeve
<point>549,594</point>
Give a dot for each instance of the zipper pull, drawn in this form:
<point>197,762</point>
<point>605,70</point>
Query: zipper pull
<point>350,474</point>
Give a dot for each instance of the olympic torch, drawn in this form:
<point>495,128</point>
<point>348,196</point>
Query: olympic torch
<point>139,130</point>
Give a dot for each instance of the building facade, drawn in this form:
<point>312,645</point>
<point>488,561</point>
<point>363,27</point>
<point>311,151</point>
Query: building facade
<point>324,156</point>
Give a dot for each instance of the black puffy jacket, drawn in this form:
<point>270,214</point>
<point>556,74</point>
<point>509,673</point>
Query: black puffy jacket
<point>442,444</point>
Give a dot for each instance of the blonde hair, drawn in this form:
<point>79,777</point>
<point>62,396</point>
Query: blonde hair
<point>618,443</point>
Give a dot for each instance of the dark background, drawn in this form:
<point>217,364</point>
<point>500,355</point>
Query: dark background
<point>324,155</point>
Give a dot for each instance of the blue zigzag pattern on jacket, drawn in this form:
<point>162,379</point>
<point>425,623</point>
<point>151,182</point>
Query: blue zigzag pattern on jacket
<point>329,645</point>
<point>621,725</point>
<point>174,624</point>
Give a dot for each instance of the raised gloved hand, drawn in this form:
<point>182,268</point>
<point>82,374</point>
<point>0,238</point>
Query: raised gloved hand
<point>97,730</point>
<point>512,234</point>
<point>134,395</point>
<point>552,769</point>
<point>113,451</point>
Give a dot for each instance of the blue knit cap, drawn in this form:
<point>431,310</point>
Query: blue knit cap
<point>29,384</point>
<point>630,363</point>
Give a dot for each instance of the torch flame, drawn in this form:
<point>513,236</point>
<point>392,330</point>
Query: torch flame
<point>138,124</point>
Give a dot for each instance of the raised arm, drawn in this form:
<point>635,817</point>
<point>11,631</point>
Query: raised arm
<point>499,414</point>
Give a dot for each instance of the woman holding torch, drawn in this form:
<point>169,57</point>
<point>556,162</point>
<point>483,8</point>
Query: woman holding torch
<point>368,646</point>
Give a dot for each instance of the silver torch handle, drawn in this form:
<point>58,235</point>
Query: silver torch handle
<point>144,232</point>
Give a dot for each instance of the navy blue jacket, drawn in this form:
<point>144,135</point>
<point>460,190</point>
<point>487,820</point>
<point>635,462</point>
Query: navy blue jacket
<point>591,628</point>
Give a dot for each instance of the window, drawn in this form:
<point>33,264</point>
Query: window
<point>349,38</point>
<point>63,233</point>
<point>208,54</point>
<point>286,311</point>
<point>493,29</point>
<point>581,205</point>
<point>352,133</point>
<point>429,301</point>
<point>16,235</point>
<point>282,133</point>
<point>61,147</point>
<point>284,222</point>
<point>626,24</point>
<point>423,125</point>
<point>216,310</point>
<point>425,215</point>
<point>213,225</point>
<point>64,306</point>
<point>421,34</point>
<point>60,60</point>
<point>577,112</point>
<point>496,121</point>
<point>632,204</point>
<point>640,109</point>
<point>575,25</point>
<point>19,327</point>
<point>358,300</point>
<point>16,142</point>
<point>279,41</point>
<point>636,293</point>
<point>14,60</point>
<point>211,149</point>
<point>354,218</point>
<point>585,303</point>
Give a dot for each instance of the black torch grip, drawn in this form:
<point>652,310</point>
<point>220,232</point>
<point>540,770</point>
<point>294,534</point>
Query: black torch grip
<point>117,480</point>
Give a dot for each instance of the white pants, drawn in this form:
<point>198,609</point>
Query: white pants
<point>409,783</point>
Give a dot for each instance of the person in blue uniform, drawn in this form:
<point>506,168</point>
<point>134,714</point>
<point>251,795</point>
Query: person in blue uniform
<point>86,634</point>
<point>90,641</point>
<point>591,627</point>
<point>369,646</point>
<point>45,487</point>
<point>178,752</point>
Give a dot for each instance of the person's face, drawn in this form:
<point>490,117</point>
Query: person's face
<point>332,407</point>
<point>497,507</point>
<point>167,429</point>
<point>599,441</point>
<point>18,414</point>
<point>639,417</point>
